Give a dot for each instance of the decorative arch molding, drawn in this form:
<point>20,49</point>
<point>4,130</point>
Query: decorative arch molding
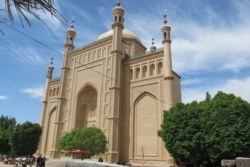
<point>136,98</point>
<point>85,85</point>
<point>145,125</point>
<point>50,130</point>
<point>86,111</point>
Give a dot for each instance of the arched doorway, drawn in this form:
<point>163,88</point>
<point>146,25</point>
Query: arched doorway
<point>145,126</point>
<point>86,107</point>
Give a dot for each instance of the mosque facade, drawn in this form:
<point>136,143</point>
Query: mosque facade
<point>116,85</point>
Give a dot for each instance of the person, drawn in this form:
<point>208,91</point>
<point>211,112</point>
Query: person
<point>39,161</point>
<point>43,161</point>
<point>100,160</point>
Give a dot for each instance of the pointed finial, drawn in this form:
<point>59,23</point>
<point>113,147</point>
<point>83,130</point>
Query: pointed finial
<point>72,22</point>
<point>153,47</point>
<point>153,43</point>
<point>165,16</point>
<point>51,61</point>
<point>118,3</point>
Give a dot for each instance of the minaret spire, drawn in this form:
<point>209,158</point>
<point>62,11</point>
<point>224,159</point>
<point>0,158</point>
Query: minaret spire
<point>153,47</point>
<point>118,3</point>
<point>72,23</point>
<point>50,69</point>
<point>165,17</point>
<point>70,33</point>
<point>51,61</point>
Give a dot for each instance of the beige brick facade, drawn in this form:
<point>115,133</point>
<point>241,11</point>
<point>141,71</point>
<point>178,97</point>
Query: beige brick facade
<point>113,84</point>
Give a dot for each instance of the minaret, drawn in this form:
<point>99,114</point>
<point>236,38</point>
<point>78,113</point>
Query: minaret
<point>166,41</point>
<point>167,64</point>
<point>116,57</point>
<point>68,47</point>
<point>50,71</point>
<point>167,72</point>
<point>70,36</point>
<point>41,148</point>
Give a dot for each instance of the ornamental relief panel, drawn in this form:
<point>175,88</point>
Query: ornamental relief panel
<point>90,56</point>
<point>145,70</point>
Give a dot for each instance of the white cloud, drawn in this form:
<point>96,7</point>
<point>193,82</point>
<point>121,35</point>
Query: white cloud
<point>212,49</point>
<point>192,81</point>
<point>34,92</point>
<point>3,97</point>
<point>239,87</point>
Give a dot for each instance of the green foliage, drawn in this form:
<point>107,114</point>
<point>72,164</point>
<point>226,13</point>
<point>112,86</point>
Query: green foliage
<point>181,131</point>
<point>91,139</point>
<point>25,138</point>
<point>210,130</point>
<point>208,97</point>
<point>94,140</point>
<point>229,122</point>
<point>71,140</point>
<point>6,126</point>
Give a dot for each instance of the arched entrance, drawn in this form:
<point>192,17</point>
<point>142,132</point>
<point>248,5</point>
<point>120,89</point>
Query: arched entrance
<point>145,126</point>
<point>86,107</point>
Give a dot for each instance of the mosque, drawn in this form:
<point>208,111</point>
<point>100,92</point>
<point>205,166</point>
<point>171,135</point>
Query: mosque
<point>115,84</point>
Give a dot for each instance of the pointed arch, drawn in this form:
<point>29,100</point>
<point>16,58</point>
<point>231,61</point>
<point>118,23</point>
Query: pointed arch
<point>145,125</point>
<point>50,130</point>
<point>86,107</point>
<point>144,71</point>
<point>159,68</point>
<point>131,74</point>
<point>137,73</point>
<point>152,69</point>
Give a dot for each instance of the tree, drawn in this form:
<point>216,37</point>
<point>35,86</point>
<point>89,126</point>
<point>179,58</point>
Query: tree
<point>23,7</point>
<point>90,139</point>
<point>71,140</point>
<point>94,140</point>
<point>229,123</point>
<point>208,97</point>
<point>210,130</point>
<point>6,126</point>
<point>25,138</point>
<point>182,134</point>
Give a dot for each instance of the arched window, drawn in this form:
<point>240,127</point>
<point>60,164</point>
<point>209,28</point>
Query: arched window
<point>165,35</point>
<point>50,92</point>
<point>159,68</point>
<point>54,91</point>
<point>131,74</point>
<point>144,71</point>
<point>137,73</point>
<point>57,91</point>
<point>103,52</point>
<point>152,69</point>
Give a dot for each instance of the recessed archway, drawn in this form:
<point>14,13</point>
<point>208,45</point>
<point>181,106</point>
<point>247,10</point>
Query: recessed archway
<point>145,125</point>
<point>86,107</point>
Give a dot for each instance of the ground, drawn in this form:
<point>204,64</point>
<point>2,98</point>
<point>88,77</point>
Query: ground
<point>49,163</point>
<point>62,163</point>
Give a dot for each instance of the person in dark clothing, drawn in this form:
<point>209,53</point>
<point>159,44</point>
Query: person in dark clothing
<point>43,161</point>
<point>100,160</point>
<point>39,161</point>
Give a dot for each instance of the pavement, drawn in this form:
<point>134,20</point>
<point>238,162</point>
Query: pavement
<point>62,163</point>
<point>49,163</point>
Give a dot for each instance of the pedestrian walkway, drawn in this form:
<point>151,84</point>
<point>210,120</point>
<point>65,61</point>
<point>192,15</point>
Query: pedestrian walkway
<point>48,163</point>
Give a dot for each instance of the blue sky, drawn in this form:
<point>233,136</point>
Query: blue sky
<point>210,46</point>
